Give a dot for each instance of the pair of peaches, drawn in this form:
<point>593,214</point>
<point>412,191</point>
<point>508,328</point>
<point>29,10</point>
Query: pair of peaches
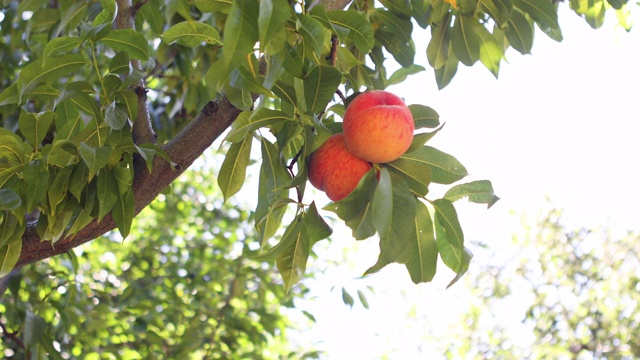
<point>377,128</point>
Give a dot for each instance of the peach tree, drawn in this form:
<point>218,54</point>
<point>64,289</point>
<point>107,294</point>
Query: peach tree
<point>103,104</point>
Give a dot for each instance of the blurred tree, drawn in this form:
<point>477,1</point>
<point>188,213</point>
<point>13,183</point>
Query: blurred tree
<point>183,289</point>
<point>577,293</point>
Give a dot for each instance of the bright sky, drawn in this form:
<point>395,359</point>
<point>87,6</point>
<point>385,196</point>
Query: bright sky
<point>562,123</point>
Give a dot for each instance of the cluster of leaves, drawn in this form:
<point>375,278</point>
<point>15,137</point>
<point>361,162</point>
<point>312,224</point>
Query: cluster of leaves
<point>176,291</point>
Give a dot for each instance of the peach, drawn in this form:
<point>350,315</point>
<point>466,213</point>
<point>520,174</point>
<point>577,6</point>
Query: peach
<point>335,170</point>
<point>378,126</point>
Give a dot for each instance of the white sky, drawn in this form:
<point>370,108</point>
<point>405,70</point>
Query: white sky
<point>562,123</point>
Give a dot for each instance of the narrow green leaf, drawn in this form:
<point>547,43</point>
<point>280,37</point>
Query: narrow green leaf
<point>123,213</point>
<point>490,51</point>
<point>10,95</point>
<point>36,73</point>
<point>464,40</point>
<point>36,175</point>
<point>116,116</point>
<point>9,255</point>
<point>449,236</point>
<point>129,99</point>
<point>120,64</point>
<point>292,262</point>
<point>417,175</point>
<point>273,16</point>
<point>424,258</point>
<point>519,32</point>
<point>445,74</point>
<point>464,266</point>
<point>480,191</point>
<point>249,121</point>
<point>34,327</point>
<point>108,13</point>
<point>108,193</point>
<point>78,180</point>
<point>95,158</point>
<point>393,210</point>
<point>59,45</point>
<point>347,299</point>
<point>363,299</point>
<point>499,10</point>
<point>291,234</point>
<point>445,168</point>
<point>312,32</point>
<point>360,30</point>
<point>314,226</point>
<point>191,34</point>
<point>401,74</point>
<point>241,33</point>
<point>58,189</point>
<point>234,167</point>
<point>319,87</point>
<point>128,40</point>
<point>11,229</point>
<point>420,139</point>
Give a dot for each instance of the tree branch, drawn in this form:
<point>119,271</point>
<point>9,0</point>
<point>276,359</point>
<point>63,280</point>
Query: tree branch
<point>142,130</point>
<point>183,150</point>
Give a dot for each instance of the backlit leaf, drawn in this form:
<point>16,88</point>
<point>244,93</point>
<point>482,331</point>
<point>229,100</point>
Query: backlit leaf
<point>490,51</point>
<point>241,33</point>
<point>438,48</point>
<point>480,191</point>
<point>34,127</point>
<point>360,32</point>
<point>319,87</point>
<point>519,32</point>
<point>445,74</point>
<point>191,34</point>
<point>274,14</point>
<point>128,40</point>
<point>56,67</point>
<point>449,236</point>
<point>424,258</point>
<point>233,169</point>
<point>424,116</point>
<point>292,262</point>
<point>445,168</point>
<point>123,212</point>
<point>542,11</point>
<point>464,39</point>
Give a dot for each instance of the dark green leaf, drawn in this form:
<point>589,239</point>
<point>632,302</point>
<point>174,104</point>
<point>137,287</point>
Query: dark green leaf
<point>424,258</point>
<point>59,45</point>
<point>292,262</point>
<point>234,166</point>
<point>542,11</point>
<point>108,193</point>
<point>319,87</point>
<point>499,10</point>
<point>314,226</point>
<point>449,236</point>
<point>55,68</point>
<point>241,33</point>
<point>313,33</point>
<point>347,298</point>
<point>9,200</point>
<point>519,32</point>
<point>417,175</point>
<point>249,121</point>
<point>123,213</point>
<point>34,127</point>
<point>120,64</point>
<point>273,16</point>
<point>424,116</point>
<point>465,41</point>
<point>9,255</point>
<point>36,175</point>
<point>58,189</point>
<point>445,74</point>
<point>128,40</point>
<point>95,158</point>
<point>360,32</point>
<point>191,34</point>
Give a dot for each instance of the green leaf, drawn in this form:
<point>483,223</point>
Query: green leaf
<point>120,64</point>
<point>249,121</point>
<point>445,74</point>
<point>355,209</point>
<point>9,255</point>
<point>129,99</point>
<point>129,41</point>
<point>58,189</point>
<point>480,191</point>
<point>490,51</point>
<point>108,13</point>
<point>420,139</point>
<point>347,299</point>
<point>10,95</point>
<point>314,226</point>
<point>59,45</point>
<point>78,180</point>
<point>292,262</point>
<point>542,11</point>
<point>424,259</point>
<point>401,74</point>
<point>312,32</point>
<point>96,158</point>
<point>424,116</point>
<point>291,234</point>
<point>212,6</point>
<point>57,67</point>
<point>108,193</point>
<point>445,168</point>
<point>123,212</point>
<point>519,32</point>
<point>9,200</point>
<point>62,153</point>
<point>191,34</point>
<point>360,31</point>
<point>394,210</point>
<point>417,175</point>
<point>34,327</point>
<point>465,41</point>
<point>11,229</point>
<point>273,16</point>
<point>116,116</point>
<point>319,87</point>
<point>466,260</point>
<point>11,148</point>
<point>449,236</point>
<point>36,175</point>
<point>234,167</point>
<point>468,7</point>
<point>394,33</point>
<point>240,33</point>
<point>34,127</point>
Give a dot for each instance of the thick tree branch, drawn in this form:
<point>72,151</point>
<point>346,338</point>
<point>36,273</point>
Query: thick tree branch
<point>142,130</point>
<point>184,149</point>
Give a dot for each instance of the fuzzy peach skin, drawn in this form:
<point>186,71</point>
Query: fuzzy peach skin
<point>335,170</point>
<point>378,126</point>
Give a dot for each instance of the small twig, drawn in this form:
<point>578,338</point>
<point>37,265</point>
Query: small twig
<point>344,99</point>
<point>13,336</point>
<point>333,55</point>
<point>290,169</point>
